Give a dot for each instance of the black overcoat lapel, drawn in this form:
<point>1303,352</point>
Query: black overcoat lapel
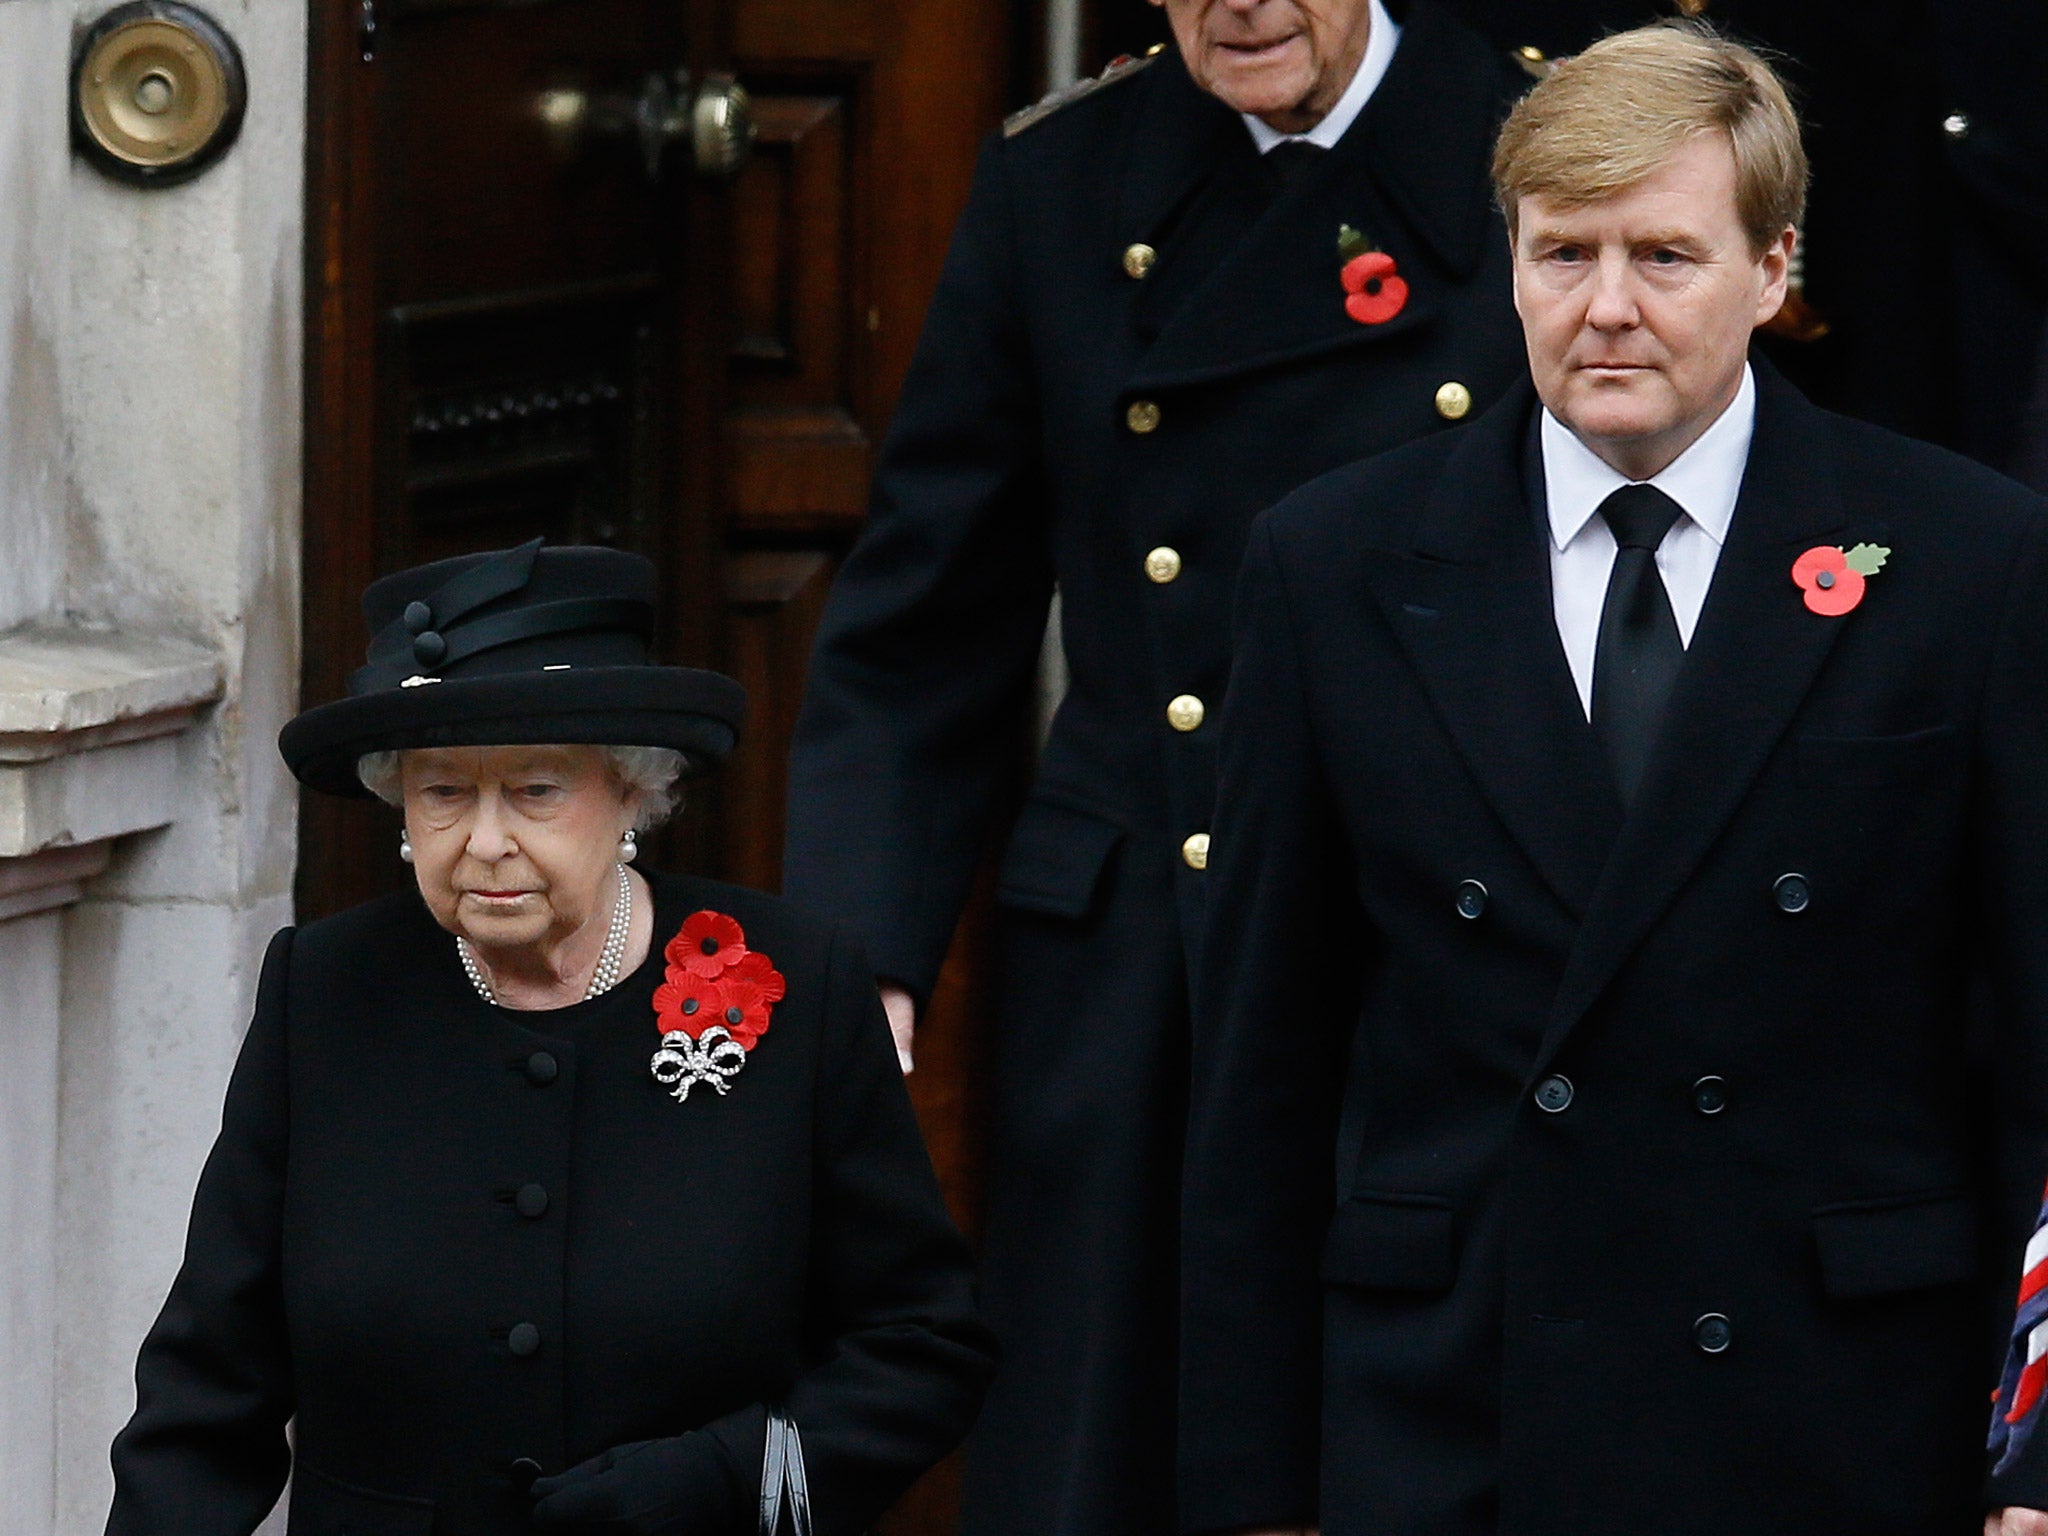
<point>1753,659</point>
<point>1472,607</point>
<point>1275,296</point>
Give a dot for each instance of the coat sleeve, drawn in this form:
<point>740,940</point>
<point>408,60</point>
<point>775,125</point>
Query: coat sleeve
<point>2012,917</point>
<point>1273,1021</point>
<point>206,1449</point>
<point>903,1357</point>
<point>926,652</point>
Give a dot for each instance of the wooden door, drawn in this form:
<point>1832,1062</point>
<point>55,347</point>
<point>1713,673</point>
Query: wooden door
<point>524,318</point>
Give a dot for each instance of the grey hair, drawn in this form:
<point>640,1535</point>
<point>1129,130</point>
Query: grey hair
<point>655,773</point>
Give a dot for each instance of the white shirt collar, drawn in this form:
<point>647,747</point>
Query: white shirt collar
<point>1704,480</point>
<point>1379,53</point>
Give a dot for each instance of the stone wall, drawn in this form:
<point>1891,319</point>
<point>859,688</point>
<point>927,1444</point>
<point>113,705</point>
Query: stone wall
<point>149,526</point>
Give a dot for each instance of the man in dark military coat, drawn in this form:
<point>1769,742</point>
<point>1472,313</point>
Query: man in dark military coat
<point>1148,329</point>
<point>1621,1076</point>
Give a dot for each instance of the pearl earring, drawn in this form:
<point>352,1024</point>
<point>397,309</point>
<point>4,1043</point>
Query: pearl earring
<point>405,848</point>
<point>629,847</point>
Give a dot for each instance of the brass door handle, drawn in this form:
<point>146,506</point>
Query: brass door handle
<point>721,126</point>
<point>710,120</point>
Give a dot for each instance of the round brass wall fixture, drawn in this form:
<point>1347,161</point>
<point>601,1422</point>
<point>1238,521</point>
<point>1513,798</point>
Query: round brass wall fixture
<point>157,92</point>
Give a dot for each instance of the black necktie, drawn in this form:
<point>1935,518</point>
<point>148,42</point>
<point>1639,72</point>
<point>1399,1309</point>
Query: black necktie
<point>1292,159</point>
<point>1639,653</point>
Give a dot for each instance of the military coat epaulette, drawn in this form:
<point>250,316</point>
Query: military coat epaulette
<point>1116,69</point>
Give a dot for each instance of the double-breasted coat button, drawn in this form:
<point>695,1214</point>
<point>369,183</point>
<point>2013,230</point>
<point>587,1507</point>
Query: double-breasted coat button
<point>1194,851</point>
<point>523,1340</point>
<point>1792,893</point>
<point>1554,1094</point>
<point>1710,1095</point>
<point>1138,258</point>
<point>531,1201</point>
<point>1471,898</point>
<point>1142,416</point>
<point>1453,400</point>
<point>542,1069</point>
<point>1712,1334</point>
<point>1186,712</point>
<point>1162,564</point>
<point>524,1471</point>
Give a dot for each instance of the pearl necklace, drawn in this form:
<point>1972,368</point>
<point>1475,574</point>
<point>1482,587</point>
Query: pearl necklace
<point>609,959</point>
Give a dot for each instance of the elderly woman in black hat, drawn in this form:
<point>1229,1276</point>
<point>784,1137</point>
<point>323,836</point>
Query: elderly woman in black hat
<point>559,1196</point>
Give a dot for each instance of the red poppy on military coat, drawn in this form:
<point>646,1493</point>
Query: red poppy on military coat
<point>1374,292</point>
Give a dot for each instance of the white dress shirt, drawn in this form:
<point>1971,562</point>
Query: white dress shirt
<point>1704,480</point>
<point>1380,39</point>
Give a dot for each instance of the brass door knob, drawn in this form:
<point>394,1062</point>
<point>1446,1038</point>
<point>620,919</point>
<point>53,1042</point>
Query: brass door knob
<point>158,92</point>
<point>709,120</point>
<point>721,126</point>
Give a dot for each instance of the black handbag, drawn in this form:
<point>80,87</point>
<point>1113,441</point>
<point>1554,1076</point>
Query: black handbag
<point>783,1486</point>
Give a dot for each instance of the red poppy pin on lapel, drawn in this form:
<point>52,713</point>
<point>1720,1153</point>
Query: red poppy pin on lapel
<point>1374,292</point>
<point>714,1005</point>
<point>1833,578</point>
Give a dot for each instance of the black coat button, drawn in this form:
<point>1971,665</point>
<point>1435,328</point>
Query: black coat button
<point>532,1201</point>
<point>541,1069</point>
<point>1554,1094</point>
<point>1471,898</point>
<point>524,1470</point>
<point>1712,1334</point>
<point>523,1340</point>
<point>1710,1095</point>
<point>1792,893</point>
<point>429,649</point>
<point>419,618</point>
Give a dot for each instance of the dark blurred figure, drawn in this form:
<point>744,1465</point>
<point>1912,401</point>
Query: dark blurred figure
<point>1927,231</point>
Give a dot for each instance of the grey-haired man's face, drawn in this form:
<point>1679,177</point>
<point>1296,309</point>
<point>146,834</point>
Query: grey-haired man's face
<point>1286,61</point>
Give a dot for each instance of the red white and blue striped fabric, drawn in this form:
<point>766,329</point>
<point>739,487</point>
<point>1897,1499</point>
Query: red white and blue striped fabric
<point>2016,1408</point>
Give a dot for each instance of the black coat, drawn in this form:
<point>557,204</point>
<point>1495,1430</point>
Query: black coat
<point>1558,1173</point>
<point>1013,464</point>
<point>412,1187</point>
<point>1926,239</point>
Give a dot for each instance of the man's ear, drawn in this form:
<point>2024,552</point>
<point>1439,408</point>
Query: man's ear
<point>1776,262</point>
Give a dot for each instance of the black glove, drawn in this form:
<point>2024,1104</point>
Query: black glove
<point>681,1486</point>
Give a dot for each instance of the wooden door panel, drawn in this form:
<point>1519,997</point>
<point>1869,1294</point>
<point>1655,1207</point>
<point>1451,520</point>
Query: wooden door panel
<point>798,454</point>
<point>487,189</point>
<point>526,414</point>
<point>776,597</point>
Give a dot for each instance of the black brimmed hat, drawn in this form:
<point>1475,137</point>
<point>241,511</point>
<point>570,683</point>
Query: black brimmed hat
<point>520,646</point>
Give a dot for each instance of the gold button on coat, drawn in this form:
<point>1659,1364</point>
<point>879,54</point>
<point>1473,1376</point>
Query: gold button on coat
<point>1453,400</point>
<point>1141,416</point>
<point>1195,851</point>
<point>1185,712</point>
<point>1163,564</point>
<point>1138,259</point>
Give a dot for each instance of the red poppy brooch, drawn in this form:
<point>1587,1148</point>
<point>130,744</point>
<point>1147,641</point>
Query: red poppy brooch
<point>1833,578</point>
<point>1374,292</point>
<point>715,1003</point>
